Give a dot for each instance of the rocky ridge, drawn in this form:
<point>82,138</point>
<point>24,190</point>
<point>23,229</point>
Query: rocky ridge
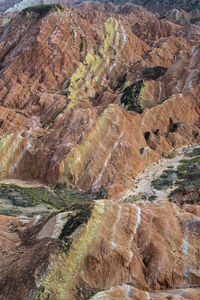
<point>46,87</point>
<point>105,250</point>
<point>90,95</point>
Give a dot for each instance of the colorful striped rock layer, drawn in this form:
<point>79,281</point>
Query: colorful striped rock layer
<point>91,94</point>
<point>105,251</point>
<point>88,99</point>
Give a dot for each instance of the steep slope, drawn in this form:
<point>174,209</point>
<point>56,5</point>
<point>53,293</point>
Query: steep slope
<point>65,105</point>
<point>106,251</point>
<point>90,95</point>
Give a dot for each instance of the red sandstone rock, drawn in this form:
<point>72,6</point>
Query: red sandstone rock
<point>54,143</point>
<point>62,120</point>
<point>125,250</point>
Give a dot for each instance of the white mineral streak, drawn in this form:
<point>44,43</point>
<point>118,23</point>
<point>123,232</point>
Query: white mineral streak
<point>114,234</point>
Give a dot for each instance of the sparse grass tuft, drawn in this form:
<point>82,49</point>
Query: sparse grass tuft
<point>152,198</point>
<point>170,156</point>
<point>61,197</point>
<point>132,199</point>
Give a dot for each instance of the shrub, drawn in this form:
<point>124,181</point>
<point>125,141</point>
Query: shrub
<point>61,197</point>
<point>152,198</point>
<point>170,156</point>
<point>195,152</point>
<point>156,184</point>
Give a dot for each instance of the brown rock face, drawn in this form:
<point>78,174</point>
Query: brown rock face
<point>19,253</point>
<point>9,239</point>
<point>118,251</point>
<point>90,95</point>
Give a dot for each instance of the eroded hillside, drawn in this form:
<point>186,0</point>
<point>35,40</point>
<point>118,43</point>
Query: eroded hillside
<point>72,84</point>
<point>90,96</point>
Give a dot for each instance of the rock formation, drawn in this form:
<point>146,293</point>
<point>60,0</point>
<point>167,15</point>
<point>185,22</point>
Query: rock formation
<point>90,95</point>
<point>59,83</point>
<point>105,251</point>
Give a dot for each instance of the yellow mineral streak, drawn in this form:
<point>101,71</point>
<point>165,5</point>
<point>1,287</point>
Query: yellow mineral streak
<point>143,90</point>
<point>10,147</point>
<point>91,71</point>
<point>63,272</point>
<point>72,165</point>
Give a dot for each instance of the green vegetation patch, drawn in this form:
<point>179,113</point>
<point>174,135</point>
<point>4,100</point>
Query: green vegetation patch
<point>132,98</point>
<point>59,198</point>
<point>154,73</point>
<point>170,167</point>
<point>189,169</point>
<point>152,198</point>
<point>79,214</point>
<point>132,199</point>
<point>188,174</point>
<point>24,197</point>
<point>156,184</point>
<point>195,152</point>
<point>65,197</point>
<point>101,194</point>
<point>42,9</point>
<point>13,212</point>
<point>171,155</point>
<point>166,179</point>
<point>186,177</point>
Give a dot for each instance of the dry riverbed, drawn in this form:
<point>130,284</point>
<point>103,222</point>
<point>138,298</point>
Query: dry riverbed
<point>144,184</point>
